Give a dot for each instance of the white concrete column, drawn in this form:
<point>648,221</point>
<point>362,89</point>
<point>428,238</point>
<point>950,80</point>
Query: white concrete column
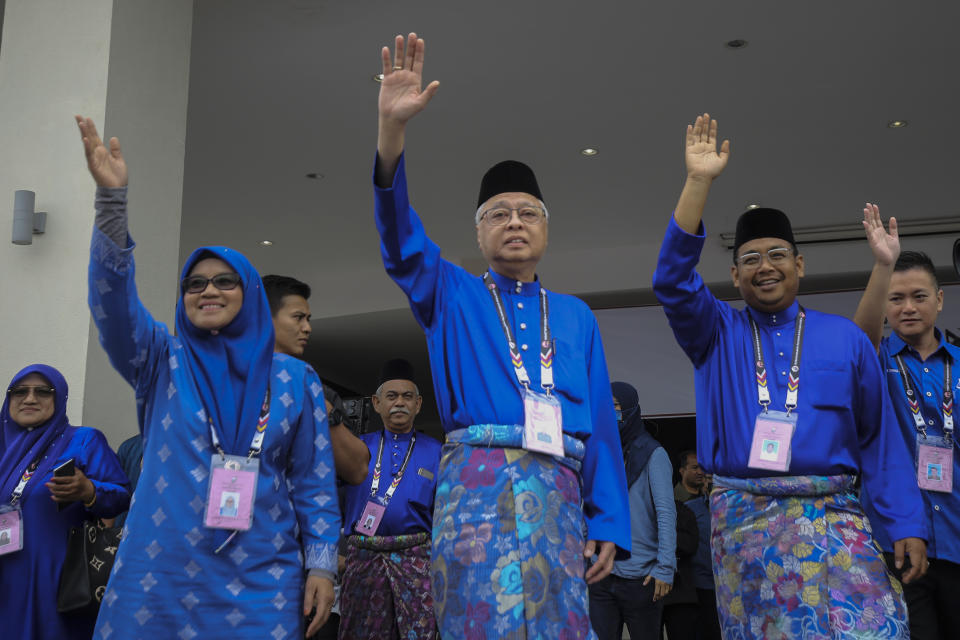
<point>125,63</point>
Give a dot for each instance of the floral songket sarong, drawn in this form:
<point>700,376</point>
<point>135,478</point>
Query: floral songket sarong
<point>793,557</point>
<point>386,589</point>
<point>508,539</point>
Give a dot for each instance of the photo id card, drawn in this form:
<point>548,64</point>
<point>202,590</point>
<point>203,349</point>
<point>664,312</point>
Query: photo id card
<point>772,433</point>
<point>543,424</point>
<point>370,518</point>
<point>11,531</point>
<point>934,464</point>
<point>233,488</point>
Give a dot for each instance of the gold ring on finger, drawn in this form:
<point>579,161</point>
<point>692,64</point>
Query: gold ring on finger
<point>398,68</point>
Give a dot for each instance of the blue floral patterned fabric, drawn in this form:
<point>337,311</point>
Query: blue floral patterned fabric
<point>793,557</point>
<point>508,539</point>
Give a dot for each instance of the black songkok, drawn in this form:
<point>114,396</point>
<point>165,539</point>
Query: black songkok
<point>397,369</point>
<point>508,176</point>
<point>762,223</point>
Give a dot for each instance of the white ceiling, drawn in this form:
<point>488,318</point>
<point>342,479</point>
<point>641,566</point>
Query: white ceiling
<point>282,88</point>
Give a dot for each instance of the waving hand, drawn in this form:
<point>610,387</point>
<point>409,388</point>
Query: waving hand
<point>106,165</point>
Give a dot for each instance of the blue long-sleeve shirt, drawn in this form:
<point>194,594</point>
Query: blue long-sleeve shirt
<point>846,424</point>
<point>941,510</point>
<point>473,376</point>
<point>411,508</point>
<point>653,523</point>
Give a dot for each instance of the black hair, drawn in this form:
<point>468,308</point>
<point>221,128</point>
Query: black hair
<point>276,287</point>
<point>917,260</point>
<point>682,458</point>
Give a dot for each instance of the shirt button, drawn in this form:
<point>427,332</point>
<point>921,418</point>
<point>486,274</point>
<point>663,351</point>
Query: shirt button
<point>519,305</point>
<point>926,370</point>
<point>524,347</point>
<point>523,325</point>
<point>781,353</point>
<point>778,334</point>
<point>783,373</point>
<point>929,394</point>
<point>519,287</point>
<point>936,507</point>
<point>930,422</point>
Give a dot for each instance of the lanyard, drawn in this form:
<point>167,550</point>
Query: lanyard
<point>914,402</point>
<point>793,378</point>
<point>257,444</point>
<point>375,484</point>
<point>27,474</point>
<point>546,343</point>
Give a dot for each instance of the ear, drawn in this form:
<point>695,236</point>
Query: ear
<point>799,266</point>
<point>376,402</point>
<point>939,300</point>
<point>735,275</point>
<point>419,404</point>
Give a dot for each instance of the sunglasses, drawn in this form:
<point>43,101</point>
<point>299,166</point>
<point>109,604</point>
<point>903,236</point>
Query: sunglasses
<point>20,393</point>
<point>198,284</point>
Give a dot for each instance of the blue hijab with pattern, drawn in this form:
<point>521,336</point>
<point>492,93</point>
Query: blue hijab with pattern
<point>232,367</point>
<point>19,447</point>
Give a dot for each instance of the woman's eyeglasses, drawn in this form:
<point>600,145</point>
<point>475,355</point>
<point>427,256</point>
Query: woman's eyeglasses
<point>21,392</point>
<point>198,284</point>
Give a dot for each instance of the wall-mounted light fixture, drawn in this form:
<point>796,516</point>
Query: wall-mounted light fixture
<point>26,221</point>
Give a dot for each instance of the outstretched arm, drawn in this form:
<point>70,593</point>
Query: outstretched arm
<point>704,164</point>
<point>886,249</point>
<point>402,96</point>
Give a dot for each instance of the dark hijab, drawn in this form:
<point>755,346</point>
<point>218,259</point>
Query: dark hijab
<point>19,447</point>
<point>637,443</point>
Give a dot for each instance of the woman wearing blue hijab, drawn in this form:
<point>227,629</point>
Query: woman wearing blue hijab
<point>215,404</point>
<point>35,439</point>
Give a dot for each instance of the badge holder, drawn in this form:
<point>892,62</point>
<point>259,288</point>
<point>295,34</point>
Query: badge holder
<point>11,530</point>
<point>543,423</point>
<point>233,487</point>
<point>370,518</point>
<point>935,463</point>
<point>772,435</point>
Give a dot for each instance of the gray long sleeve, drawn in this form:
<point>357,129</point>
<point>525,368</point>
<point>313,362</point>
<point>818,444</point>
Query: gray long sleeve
<point>111,206</point>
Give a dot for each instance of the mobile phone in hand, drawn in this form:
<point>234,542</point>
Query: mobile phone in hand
<point>65,470</point>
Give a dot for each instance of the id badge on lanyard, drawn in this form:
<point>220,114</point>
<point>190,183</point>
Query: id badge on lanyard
<point>233,479</point>
<point>542,413</point>
<point>935,463</point>
<point>376,506</point>
<point>233,488</point>
<point>771,447</point>
<point>11,530</point>
<point>543,423</point>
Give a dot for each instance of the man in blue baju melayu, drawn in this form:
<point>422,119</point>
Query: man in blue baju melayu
<point>923,376</point>
<point>531,480</point>
<point>793,555</point>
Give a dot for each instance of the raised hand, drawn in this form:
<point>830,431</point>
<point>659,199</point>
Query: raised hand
<point>703,159</point>
<point>402,95</point>
<point>885,246</point>
<point>106,165</point>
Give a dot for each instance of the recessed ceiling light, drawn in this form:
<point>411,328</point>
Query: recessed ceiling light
<point>896,124</point>
<point>589,152</point>
<point>267,243</point>
<point>315,176</point>
<point>378,77</point>
<point>752,205</point>
<point>736,44</point>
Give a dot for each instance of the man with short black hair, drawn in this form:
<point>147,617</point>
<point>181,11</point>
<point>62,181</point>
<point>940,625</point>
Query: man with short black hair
<point>291,325</point>
<point>792,551</point>
<point>691,476</point>
<point>388,520</point>
<point>923,376</point>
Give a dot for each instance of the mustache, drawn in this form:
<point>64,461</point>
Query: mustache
<point>403,410</point>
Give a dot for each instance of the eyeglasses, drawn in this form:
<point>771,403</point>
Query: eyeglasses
<point>198,284</point>
<point>21,392</point>
<point>502,215</point>
<point>753,259</point>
